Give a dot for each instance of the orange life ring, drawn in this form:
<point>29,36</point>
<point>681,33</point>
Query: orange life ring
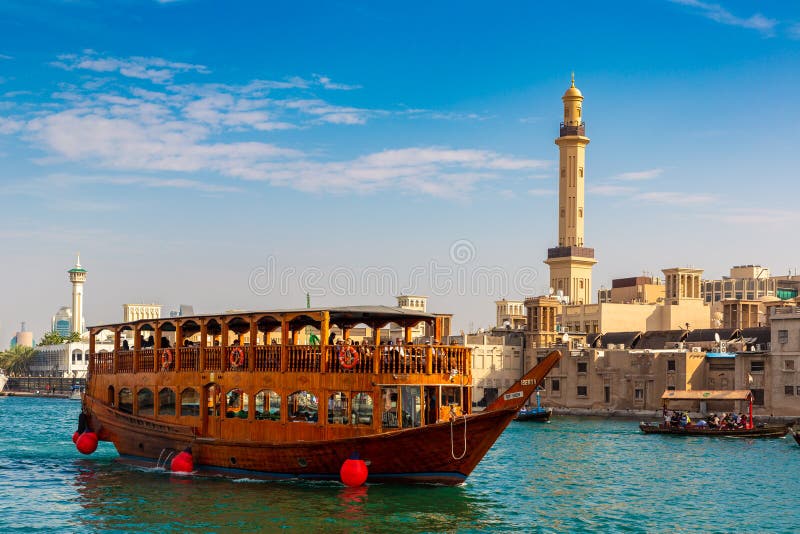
<point>166,359</point>
<point>237,357</point>
<point>348,357</point>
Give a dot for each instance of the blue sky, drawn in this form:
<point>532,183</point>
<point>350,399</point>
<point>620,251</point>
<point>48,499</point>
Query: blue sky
<point>238,154</point>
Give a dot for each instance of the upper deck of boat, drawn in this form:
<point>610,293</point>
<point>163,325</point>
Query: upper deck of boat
<point>269,341</point>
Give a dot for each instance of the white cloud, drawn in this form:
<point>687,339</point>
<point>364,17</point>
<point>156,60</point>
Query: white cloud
<point>3,56</point>
<point>719,14</point>
<point>141,181</point>
<point>639,175</point>
<point>9,126</point>
<point>157,70</point>
<point>675,198</point>
<point>542,192</point>
<point>610,190</point>
<point>327,83</point>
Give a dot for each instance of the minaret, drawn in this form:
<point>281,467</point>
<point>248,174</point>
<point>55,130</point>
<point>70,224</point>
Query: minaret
<point>77,275</point>
<point>570,262</point>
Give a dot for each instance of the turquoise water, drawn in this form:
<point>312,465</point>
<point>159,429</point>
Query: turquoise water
<point>570,475</point>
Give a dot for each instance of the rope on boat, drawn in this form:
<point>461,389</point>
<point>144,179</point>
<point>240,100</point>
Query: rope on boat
<point>452,440</point>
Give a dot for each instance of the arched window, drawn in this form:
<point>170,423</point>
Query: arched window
<point>125,403</point>
<point>362,409</point>
<point>213,394</point>
<point>236,404</point>
<point>166,402</point>
<point>337,408</point>
<point>190,402</point>
<point>303,406</point>
<point>144,402</point>
<point>268,405</point>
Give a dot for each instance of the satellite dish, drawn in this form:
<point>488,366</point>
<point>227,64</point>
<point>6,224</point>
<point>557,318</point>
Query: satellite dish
<point>565,337</point>
<point>550,292</point>
<point>716,337</point>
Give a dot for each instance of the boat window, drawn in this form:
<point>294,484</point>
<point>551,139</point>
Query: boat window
<point>144,402</point>
<point>166,402</point>
<point>236,404</point>
<point>451,395</point>
<point>303,406</point>
<point>362,409</point>
<point>190,402</point>
<point>412,406</point>
<point>125,400</point>
<point>111,397</point>
<point>389,397</point>
<point>213,394</point>
<point>268,405</point>
<point>337,408</point>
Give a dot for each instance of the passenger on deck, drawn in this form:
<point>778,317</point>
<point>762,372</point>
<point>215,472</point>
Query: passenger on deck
<point>164,342</point>
<point>125,345</point>
<point>331,338</point>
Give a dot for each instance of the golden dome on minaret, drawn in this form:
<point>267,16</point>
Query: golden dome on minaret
<point>573,92</point>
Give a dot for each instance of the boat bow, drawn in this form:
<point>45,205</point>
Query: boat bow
<point>514,397</point>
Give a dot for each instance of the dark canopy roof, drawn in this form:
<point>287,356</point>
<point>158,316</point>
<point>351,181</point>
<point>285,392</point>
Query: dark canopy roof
<point>594,340</point>
<point>756,335</point>
<point>660,339</point>
<point>707,334</point>
<point>629,339</point>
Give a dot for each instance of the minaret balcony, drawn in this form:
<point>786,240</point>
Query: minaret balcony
<point>579,129</point>
<point>566,252</point>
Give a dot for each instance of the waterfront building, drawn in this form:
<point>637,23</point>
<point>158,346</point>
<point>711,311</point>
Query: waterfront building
<point>497,361</point>
<point>633,290</point>
<point>68,360</point>
<point>23,338</point>
<point>571,261</point>
<point>136,312</point>
<point>510,313</point>
<point>77,276</point>
<point>779,372</point>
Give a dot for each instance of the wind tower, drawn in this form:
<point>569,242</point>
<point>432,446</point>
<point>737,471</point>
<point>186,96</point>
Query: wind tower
<point>571,262</point>
<point>77,275</point>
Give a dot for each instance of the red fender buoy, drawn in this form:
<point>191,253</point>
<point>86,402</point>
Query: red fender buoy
<point>87,443</point>
<point>353,472</point>
<point>75,436</point>
<point>183,462</point>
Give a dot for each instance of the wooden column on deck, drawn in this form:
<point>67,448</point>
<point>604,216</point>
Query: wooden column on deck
<point>176,361</point>
<point>223,364</point>
<point>137,347</point>
<point>437,329</point>
<point>203,341</point>
<point>92,355</point>
<point>324,327</point>
<point>284,345</point>
<point>407,332</point>
<point>251,361</point>
<point>116,345</point>
<point>376,359</point>
<point>156,347</point>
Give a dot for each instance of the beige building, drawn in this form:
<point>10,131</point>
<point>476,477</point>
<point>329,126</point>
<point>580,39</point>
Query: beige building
<point>682,308</point>
<point>497,361</point>
<point>778,374</point>
<point>136,312</point>
<point>510,313</point>
<point>571,261</point>
<point>633,290</point>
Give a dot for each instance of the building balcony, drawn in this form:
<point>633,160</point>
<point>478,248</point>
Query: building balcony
<point>573,130</point>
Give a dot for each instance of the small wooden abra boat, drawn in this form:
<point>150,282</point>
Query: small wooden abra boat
<point>249,401</point>
<point>537,414</point>
<point>748,430</point>
<point>795,435</point>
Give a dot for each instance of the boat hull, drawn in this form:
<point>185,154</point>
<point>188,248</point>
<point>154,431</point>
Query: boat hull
<point>541,416</point>
<point>429,454</point>
<point>757,432</point>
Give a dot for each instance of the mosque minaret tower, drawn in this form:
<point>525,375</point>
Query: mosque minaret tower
<point>571,262</point>
<point>77,275</point>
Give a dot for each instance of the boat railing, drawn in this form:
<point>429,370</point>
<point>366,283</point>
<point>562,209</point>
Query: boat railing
<point>189,358</point>
<point>268,358</point>
<point>145,359</point>
<point>303,358</point>
<point>213,359</point>
<point>125,361</point>
<point>408,359</point>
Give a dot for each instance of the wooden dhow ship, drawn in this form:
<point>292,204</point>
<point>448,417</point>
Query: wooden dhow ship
<point>247,399</point>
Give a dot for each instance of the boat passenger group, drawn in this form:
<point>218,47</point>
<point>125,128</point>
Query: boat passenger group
<point>728,421</point>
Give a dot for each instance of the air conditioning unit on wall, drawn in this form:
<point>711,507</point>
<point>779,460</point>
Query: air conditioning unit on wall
<point>697,349</point>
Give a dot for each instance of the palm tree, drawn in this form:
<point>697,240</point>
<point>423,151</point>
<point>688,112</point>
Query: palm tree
<point>74,337</point>
<point>51,338</point>
<point>17,360</point>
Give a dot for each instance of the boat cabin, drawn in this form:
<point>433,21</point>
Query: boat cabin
<point>277,376</point>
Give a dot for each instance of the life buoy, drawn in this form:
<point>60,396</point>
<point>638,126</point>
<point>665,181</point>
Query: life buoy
<point>166,359</point>
<point>237,357</point>
<point>348,357</point>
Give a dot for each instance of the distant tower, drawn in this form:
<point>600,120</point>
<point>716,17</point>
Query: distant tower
<point>77,275</point>
<point>570,262</point>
